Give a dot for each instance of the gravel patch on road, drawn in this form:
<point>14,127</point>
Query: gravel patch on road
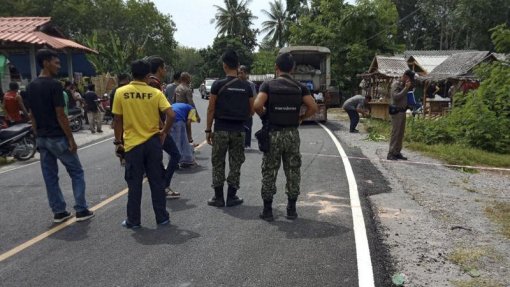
<point>434,220</point>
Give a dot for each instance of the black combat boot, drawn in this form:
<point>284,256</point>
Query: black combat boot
<point>267,213</point>
<point>217,199</point>
<point>291,209</point>
<point>232,198</point>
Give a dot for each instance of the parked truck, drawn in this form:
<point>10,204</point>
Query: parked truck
<point>313,69</point>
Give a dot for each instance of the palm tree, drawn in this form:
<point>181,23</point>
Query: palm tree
<point>235,19</point>
<point>277,27</point>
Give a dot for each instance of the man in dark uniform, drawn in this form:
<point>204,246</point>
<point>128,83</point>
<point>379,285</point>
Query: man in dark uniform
<point>230,105</point>
<point>399,91</point>
<point>278,103</point>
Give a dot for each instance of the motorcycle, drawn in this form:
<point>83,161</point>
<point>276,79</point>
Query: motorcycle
<point>18,141</point>
<point>75,118</point>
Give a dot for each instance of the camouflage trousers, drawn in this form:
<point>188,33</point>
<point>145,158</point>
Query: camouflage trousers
<point>284,148</point>
<point>233,143</point>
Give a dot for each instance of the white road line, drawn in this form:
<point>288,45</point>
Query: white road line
<point>365,272</point>
<point>37,161</point>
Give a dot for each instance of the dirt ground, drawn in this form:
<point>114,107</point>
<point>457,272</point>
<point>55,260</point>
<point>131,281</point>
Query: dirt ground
<point>437,222</point>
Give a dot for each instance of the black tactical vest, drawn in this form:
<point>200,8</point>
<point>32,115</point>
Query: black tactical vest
<point>284,102</point>
<point>233,101</point>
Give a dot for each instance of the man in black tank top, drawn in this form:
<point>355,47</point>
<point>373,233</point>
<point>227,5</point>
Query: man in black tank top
<point>230,105</point>
<point>278,103</point>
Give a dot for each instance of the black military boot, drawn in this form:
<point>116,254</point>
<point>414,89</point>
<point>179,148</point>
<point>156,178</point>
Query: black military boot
<point>232,198</point>
<point>217,199</point>
<point>291,209</point>
<point>267,213</point>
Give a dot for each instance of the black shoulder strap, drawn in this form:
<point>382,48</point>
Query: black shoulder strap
<point>226,85</point>
<point>291,82</point>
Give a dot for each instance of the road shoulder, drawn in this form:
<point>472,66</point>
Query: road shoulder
<point>434,220</point>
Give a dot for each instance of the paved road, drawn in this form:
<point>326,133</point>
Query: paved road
<point>203,246</point>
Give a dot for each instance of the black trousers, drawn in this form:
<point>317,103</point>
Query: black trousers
<point>146,158</point>
<point>247,128</point>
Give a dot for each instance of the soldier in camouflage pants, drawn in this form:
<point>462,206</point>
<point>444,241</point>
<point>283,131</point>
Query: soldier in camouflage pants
<point>284,148</point>
<point>233,142</point>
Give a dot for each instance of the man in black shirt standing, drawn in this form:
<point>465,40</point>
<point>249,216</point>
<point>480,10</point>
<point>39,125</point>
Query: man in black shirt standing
<point>55,139</point>
<point>93,112</point>
<point>230,105</point>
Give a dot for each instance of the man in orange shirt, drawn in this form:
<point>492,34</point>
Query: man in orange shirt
<point>13,105</point>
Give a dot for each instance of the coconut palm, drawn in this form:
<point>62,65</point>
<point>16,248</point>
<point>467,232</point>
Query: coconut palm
<point>277,27</point>
<point>234,19</point>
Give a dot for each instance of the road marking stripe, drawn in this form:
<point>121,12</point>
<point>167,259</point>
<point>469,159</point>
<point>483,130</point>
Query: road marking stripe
<point>365,272</point>
<point>413,162</point>
<point>37,161</point>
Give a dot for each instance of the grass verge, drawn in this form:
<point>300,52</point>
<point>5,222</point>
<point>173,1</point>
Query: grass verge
<point>499,212</point>
<point>379,130</point>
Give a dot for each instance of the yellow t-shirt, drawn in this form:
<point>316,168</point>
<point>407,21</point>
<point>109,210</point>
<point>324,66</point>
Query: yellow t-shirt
<point>139,105</point>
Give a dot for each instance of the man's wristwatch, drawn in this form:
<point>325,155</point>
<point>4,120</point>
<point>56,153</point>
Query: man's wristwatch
<point>208,131</point>
<point>117,142</point>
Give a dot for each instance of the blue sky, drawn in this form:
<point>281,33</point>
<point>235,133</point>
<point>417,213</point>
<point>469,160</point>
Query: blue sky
<point>192,19</point>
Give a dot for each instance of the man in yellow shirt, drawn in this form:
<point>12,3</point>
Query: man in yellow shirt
<point>137,108</point>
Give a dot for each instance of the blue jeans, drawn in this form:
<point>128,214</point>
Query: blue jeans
<point>181,139</point>
<point>171,149</point>
<point>354,117</point>
<point>51,149</point>
<point>148,158</point>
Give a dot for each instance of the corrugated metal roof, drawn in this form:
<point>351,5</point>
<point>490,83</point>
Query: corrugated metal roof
<point>389,66</point>
<point>25,30</point>
<point>22,24</point>
<point>429,63</point>
<point>458,65</point>
<point>410,53</point>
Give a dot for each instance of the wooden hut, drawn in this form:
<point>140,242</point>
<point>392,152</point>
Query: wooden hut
<point>454,74</point>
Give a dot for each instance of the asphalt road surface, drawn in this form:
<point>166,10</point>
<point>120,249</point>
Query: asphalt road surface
<point>203,246</point>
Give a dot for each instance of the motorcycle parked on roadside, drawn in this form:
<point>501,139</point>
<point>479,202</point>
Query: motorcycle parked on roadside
<point>76,119</point>
<point>18,141</point>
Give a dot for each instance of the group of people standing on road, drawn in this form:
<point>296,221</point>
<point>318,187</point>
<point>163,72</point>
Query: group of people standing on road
<point>150,118</point>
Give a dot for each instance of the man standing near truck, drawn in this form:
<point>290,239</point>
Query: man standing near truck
<point>278,103</point>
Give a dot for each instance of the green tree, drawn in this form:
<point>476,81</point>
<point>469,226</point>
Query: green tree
<point>501,38</point>
<point>111,26</point>
<point>212,67</point>
<point>354,34</point>
<point>263,62</point>
<point>188,60</point>
<point>277,27</point>
<point>235,19</point>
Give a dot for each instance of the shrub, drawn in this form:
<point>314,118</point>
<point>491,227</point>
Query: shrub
<point>429,131</point>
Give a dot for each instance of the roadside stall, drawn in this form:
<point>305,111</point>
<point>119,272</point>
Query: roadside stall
<point>376,82</point>
<point>455,74</point>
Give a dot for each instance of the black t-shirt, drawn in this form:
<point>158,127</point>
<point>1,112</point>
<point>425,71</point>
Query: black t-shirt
<point>91,101</point>
<point>238,86</point>
<point>44,95</point>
